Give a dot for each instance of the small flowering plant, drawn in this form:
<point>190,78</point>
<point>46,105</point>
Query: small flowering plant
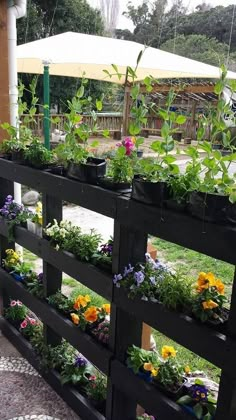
<point>16,311</point>
<point>104,255</point>
<point>14,214</point>
<point>77,372</point>
<point>143,280</point>
<point>121,165</point>
<point>28,325</point>
<point>142,362</point>
<point>57,232</point>
<point>200,399</point>
<point>37,216</point>
<point>96,388</point>
<point>101,332</point>
<point>11,260</point>
<point>209,299</point>
<point>85,314</point>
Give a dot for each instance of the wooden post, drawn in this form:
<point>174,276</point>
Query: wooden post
<point>4,81</point>
<point>126,111</point>
<point>193,124</point>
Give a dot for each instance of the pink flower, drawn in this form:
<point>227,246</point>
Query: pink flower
<point>32,321</point>
<point>19,303</point>
<point>129,145</point>
<point>92,378</point>
<point>24,324</point>
<point>13,303</point>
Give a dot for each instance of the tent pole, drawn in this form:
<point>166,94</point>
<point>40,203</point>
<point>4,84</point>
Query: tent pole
<point>46,120</point>
<point>126,111</point>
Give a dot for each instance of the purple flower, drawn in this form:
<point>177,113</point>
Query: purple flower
<point>9,198</point>
<point>116,279</point>
<point>40,277</point>
<point>139,277</point>
<point>80,362</point>
<point>128,270</point>
<point>198,392</point>
<point>153,280</point>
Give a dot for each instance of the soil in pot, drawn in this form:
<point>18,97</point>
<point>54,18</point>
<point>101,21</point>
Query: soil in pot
<point>175,393</point>
<point>89,172</point>
<point>212,208</point>
<point>154,193</point>
<point>109,184</point>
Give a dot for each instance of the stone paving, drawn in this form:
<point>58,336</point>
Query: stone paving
<point>24,395</point>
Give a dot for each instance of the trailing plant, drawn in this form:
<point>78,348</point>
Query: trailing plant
<point>209,298</point>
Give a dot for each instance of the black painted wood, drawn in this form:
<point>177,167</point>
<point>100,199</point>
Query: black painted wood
<point>89,347</point>
<point>87,274</point>
<point>70,395</point>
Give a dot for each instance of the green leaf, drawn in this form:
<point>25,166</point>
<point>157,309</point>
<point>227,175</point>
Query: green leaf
<point>199,382</point>
<point>134,129</point>
<point>169,159</point>
<point>198,410</point>
<point>139,57</point>
<point>80,92</point>
<point>185,400</point>
<point>95,143</point>
<point>134,91</point>
<point>165,129</point>
<point>107,72</point>
<point>98,105</point>
<point>163,114</point>
<point>181,119</point>
<point>106,133</point>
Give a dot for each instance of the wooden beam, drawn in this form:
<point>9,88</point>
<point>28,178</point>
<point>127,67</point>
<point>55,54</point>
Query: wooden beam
<point>181,88</point>
<point>126,111</point>
<point>4,81</point>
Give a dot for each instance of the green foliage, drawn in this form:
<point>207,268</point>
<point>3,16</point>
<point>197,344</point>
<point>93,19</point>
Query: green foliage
<point>137,357</point>
<point>120,166</point>
<point>37,155</point>
<point>16,311</point>
<point>96,389</point>
<point>61,302</point>
<point>170,374</point>
<point>175,292</point>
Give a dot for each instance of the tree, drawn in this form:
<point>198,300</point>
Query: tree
<point>110,12</point>
<point>51,17</point>
<point>198,47</point>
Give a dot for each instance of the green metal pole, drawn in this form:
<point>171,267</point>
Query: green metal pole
<point>46,98</point>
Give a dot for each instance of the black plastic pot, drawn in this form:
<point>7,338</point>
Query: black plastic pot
<point>217,146</point>
<point>57,170</point>
<point>174,395</point>
<point>175,205</point>
<point>109,184</point>
<point>177,136</point>
<point>147,192</point>
<point>225,152</point>
<point>18,157</point>
<point>89,172</point>
<point>212,208</point>
<point>139,153</point>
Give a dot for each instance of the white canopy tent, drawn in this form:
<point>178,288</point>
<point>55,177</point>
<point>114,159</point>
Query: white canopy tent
<point>72,54</point>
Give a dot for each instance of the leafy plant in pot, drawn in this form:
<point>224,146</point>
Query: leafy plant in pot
<point>37,155</point>
<point>82,165</point>
<point>150,183</point>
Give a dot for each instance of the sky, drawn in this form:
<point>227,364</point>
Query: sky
<point>124,23</point>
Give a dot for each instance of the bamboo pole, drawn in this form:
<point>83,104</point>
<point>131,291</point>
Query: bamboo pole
<point>4,81</point>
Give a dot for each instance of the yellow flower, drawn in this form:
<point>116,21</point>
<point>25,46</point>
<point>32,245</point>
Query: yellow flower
<point>133,139</point>
<point>75,318</point>
<point>81,301</point>
<point>148,366</point>
<point>107,308</point>
<point>40,220</point>
<point>209,304</point>
<point>205,280</point>
<point>220,287</point>
<point>187,370</point>
<point>154,372</point>
<point>168,351</point>
<point>91,314</point>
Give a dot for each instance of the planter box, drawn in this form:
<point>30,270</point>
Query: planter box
<point>35,228</point>
<point>89,172</point>
<point>109,184</point>
<point>153,193</point>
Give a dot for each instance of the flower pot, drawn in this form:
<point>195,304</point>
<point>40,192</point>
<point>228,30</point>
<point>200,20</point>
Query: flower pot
<point>226,152</point>
<point>187,140</point>
<point>177,136</point>
<point>89,172</point>
<point>217,146</point>
<point>35,228</point>
<point>18,157</point>
<point>174,394</point>
<point>212,208</point>
<point>139,153</point>
<point>109,184</point>
<point>147,192</point>
<point>57,170</point>
<point>18,277</point>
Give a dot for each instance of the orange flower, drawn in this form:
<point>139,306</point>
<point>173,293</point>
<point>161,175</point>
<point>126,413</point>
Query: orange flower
<point>81,301</point>
<point>220,287</point>
<point>209,304</point>
<point>205,280</point>
<point>75,318</point>
<point>91,314</point>
<point>107,308</point>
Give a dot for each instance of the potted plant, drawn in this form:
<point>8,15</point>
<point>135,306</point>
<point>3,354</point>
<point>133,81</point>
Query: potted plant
<point>207,304</point>
<point>101,332</point>
<point>76,372</point>
<point>37,155</point>
<point>142,362</point>
<point>96,391</point>
<point>61,303</point>
<point>199,401</point>
<point>103,257</point>
<point>15,214</point>
<point>34,223</point>
<point>16,312</point>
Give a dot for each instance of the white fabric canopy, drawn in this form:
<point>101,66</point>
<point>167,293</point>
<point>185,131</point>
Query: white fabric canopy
<point>72,54</point>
